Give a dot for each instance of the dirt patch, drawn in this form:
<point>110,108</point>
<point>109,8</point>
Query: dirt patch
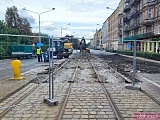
<point>124,65</point>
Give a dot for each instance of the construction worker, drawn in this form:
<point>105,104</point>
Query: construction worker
<point>39,54</point>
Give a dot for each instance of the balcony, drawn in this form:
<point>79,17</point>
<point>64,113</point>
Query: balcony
<point>135,14</point>
<point>147,22</point>
<point>127,8</point>
<point>134,2</point>
<point>126,29</point>
<point>119,25</point>
<point>148,4</point>
<point>126,18</point>
<point>120,32</point>
<point>134,26</point>
<point>157,18</point>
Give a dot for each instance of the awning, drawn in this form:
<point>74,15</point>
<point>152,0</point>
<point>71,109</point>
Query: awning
<point>142,36</point>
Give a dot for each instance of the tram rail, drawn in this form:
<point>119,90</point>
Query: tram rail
<point>117,113</point>
<point>6,110</point>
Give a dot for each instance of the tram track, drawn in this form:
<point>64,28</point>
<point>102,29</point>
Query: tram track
<point>12,105</point>
<point>111,101</point>
<point>140,88</point>
<point>68,91</point>
<point>84,92</point>
<point>127,80</point>
<point>98,80</point>
<point>136,88</point>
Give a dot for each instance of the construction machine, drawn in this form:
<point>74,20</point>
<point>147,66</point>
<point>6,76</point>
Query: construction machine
<point>83,46</point>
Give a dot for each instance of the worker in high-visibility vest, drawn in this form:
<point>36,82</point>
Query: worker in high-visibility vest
<point>39,54</point>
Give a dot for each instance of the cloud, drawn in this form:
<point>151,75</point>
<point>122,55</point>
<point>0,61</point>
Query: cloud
<point>91,5</point>
<point>25,14</point>
<point>86,5</point>
<point>84,15</point>
<point>1,15</point>
<point>48,26</point>
<point>9,1</point>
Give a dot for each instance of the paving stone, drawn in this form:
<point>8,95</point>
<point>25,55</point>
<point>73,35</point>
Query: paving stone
<point>86,101</point>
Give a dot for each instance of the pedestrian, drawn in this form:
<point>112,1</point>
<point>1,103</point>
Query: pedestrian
<point>39,54</point>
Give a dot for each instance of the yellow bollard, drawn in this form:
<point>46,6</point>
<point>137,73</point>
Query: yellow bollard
<point>16,64</point>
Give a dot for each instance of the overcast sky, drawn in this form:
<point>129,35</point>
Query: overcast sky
<point>83,15</point>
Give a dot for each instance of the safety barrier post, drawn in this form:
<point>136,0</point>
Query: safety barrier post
<point>16,64</point>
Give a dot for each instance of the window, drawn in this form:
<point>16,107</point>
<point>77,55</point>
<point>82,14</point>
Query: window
<point>156,13</point>
<point>150,46</point>
<point>149,13</point>
<point>159,10</point>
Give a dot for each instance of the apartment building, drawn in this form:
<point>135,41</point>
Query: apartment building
<point>104,34</point>
<point>114,39</point>
<point>133,20</point>
<point>150,24</point>
<point>98,39</point>
<point>142,22</point>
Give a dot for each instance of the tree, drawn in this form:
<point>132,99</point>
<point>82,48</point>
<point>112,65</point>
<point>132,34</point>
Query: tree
<point>24,26</point>
<point>13,20</point>
<point>12,17</point>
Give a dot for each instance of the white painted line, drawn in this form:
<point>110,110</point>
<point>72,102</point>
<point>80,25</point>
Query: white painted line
<point>151,82</point>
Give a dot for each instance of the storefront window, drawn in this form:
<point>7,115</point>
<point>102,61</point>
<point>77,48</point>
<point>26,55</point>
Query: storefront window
<point>150,46</point>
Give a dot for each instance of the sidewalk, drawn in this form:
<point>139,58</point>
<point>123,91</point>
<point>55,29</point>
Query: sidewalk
<point>140,58</point>
<point>9,87</point>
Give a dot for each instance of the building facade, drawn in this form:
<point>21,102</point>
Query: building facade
<point>98,39</point>
<point>141,22</point>
<point>114,28</point>
<point>104,34</point>
<point>132,20</point>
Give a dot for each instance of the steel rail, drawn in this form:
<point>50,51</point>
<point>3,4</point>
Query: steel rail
<point>28,93</point>
<point>150,96</point>
<point>140,89</point>
<point>122,76</point>
<point>67,93</point>
<point>18,101</point>
<point>111,101</point>
<point>58,69</point>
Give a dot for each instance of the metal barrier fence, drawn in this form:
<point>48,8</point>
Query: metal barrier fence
<point>23,48</point>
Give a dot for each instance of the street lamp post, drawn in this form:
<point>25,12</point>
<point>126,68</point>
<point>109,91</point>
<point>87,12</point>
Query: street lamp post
<point>39,14</point>
<point>134,62</point>
<point>62,28</point>
<point>100,38</point>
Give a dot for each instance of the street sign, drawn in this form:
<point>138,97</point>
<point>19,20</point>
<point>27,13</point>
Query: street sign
<point>39,44</point>
<point>128,45</point>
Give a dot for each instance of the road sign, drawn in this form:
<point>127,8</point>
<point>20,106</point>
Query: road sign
<point>39,44</point>
<point>128,45</point>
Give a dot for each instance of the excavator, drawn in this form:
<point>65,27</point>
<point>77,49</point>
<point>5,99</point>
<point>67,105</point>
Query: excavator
<point>83,46</point>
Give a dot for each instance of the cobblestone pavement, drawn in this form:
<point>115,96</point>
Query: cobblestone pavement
<point>86,101</point>
<point>131,102</point>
